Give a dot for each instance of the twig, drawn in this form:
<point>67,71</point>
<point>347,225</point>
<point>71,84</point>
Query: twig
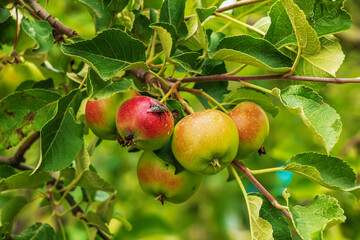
<point>26,7</point>
<point>56,24</point>
<point>265,77</point>
<point>231,6</point>
<point>261,188</point>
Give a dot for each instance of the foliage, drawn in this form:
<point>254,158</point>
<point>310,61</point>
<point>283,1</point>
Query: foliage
<point>191,55</point>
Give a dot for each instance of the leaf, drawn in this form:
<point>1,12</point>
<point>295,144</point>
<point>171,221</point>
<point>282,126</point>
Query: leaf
<point>24,179</point>
<point>329,17</point>
<point>9,211</point>
<point>4,14</point>
<point>165,154</point>
<point>322,119</point>
<point>141,29</point>
<point>82,160</point>
<point>204,13</point>
<point>315,166</point>
<point>106,208</point>
<point>40,31</point>
<point>246,94</point>
<point>252,51</point>
<point>172,12</point>
<point>109,52</point>
<point>38,231</point>
<point>95,220</point>
<point>260,228</point>
<point>61,138</point>
<point>310,221</point>
<point>176,110</point>
<point>196,38</point>
<point>213,67</point>
<point>305,34</point>
<point>6,170</point>
<point>217,90</point>
<point>189,61</point>
<point>168,37</point>
<point>92,181</point>
<point>96,5</point>
<point>23,112</point>
<point>268,212</point>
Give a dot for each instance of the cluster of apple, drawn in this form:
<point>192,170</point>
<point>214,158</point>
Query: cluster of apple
<point>204,142</point>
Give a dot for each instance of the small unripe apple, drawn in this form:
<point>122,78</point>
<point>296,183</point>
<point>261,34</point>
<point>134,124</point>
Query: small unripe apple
<point>253,127</point>
<point>144,122</point>
<point>205,142</point>
<point>158,178</point>
<point>101,114</point>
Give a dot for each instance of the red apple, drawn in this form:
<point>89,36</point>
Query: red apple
<point>205,142</point>
<point>253,127</point>
<point>144,122</point>
<point>158,178</point>
<point>101,114</point>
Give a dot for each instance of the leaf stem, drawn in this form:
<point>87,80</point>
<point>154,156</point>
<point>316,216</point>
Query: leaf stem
<point>237,70</point>
<point>187,107</point>
<point>256,87</point>
<point>267,170</point>
<point>244,194</point>
<point>240,23</point>
<point>261,188</point>
<point>162,80</point>
<point>151,60</point>
<point>173,88</point>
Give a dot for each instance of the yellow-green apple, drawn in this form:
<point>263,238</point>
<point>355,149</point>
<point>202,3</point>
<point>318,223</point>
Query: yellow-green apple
<point>205,142</point>
<point>253,127</point>
<point>145,123</point>
<point>101,114</point>
<point>158,178</point>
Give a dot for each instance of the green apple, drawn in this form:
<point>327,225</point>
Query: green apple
<point>205,142</point>
<point>253,127</point>
<point>158,178</point>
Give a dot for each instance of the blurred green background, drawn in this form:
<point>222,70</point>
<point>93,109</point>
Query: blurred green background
<point>217,210</point>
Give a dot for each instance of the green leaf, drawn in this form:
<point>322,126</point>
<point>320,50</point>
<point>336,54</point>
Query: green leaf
<point>252,51</point>
<point>329,17</point>
<point>322,119</point>
<point>340,176</point>
<point>24,179</point>
<point>310,221</point>
<point>40,31</point>
<point>189,61</point>
<point>4,14</point>
<point>9,211</point>
<point>213,67</point>
<point>155,4</point>
<point>305,34</point>
<point>176,110</point>
<point>168,36</point>
<point>97,221</point>
<point>165,154</point>
<point>141,29</point>
<point>82,160</point>
<point>268,212</point>
<point>23,112</point>
<point>109,52</point>
<point>38,231</point>
<point>204,13</point>
<point>260,228</point>
<point>61,137</point>
<point>246,94</point>
<point>217,90</point>
<point>92,181</point>
<point>196,38</point>
<point>31,84</point>
<point>106,208</point>
<point>95,5</point>
<point>172,11</point>
<point>6,170</point>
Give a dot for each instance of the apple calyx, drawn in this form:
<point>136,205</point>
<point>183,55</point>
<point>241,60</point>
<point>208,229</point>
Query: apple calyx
<point>215,163</point>
<point>160,198</point>
<point>126,141</point>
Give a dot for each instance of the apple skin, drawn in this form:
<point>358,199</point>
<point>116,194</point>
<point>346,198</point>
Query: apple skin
<point>158,178</point>
<point>146,130</point>
<point>253,127</point>
<point>101,114</point>
<point>205,142</point>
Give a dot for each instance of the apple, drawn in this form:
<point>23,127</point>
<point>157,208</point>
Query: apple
<point>205,142</point>
<point>145,123</point>
<point>253,127</point>
<point>101,114</point>
<point>157,178</point>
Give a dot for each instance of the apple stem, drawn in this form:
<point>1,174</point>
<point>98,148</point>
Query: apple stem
<point>160,198</point>
<point>215,163</point>
<point>273,201</point>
